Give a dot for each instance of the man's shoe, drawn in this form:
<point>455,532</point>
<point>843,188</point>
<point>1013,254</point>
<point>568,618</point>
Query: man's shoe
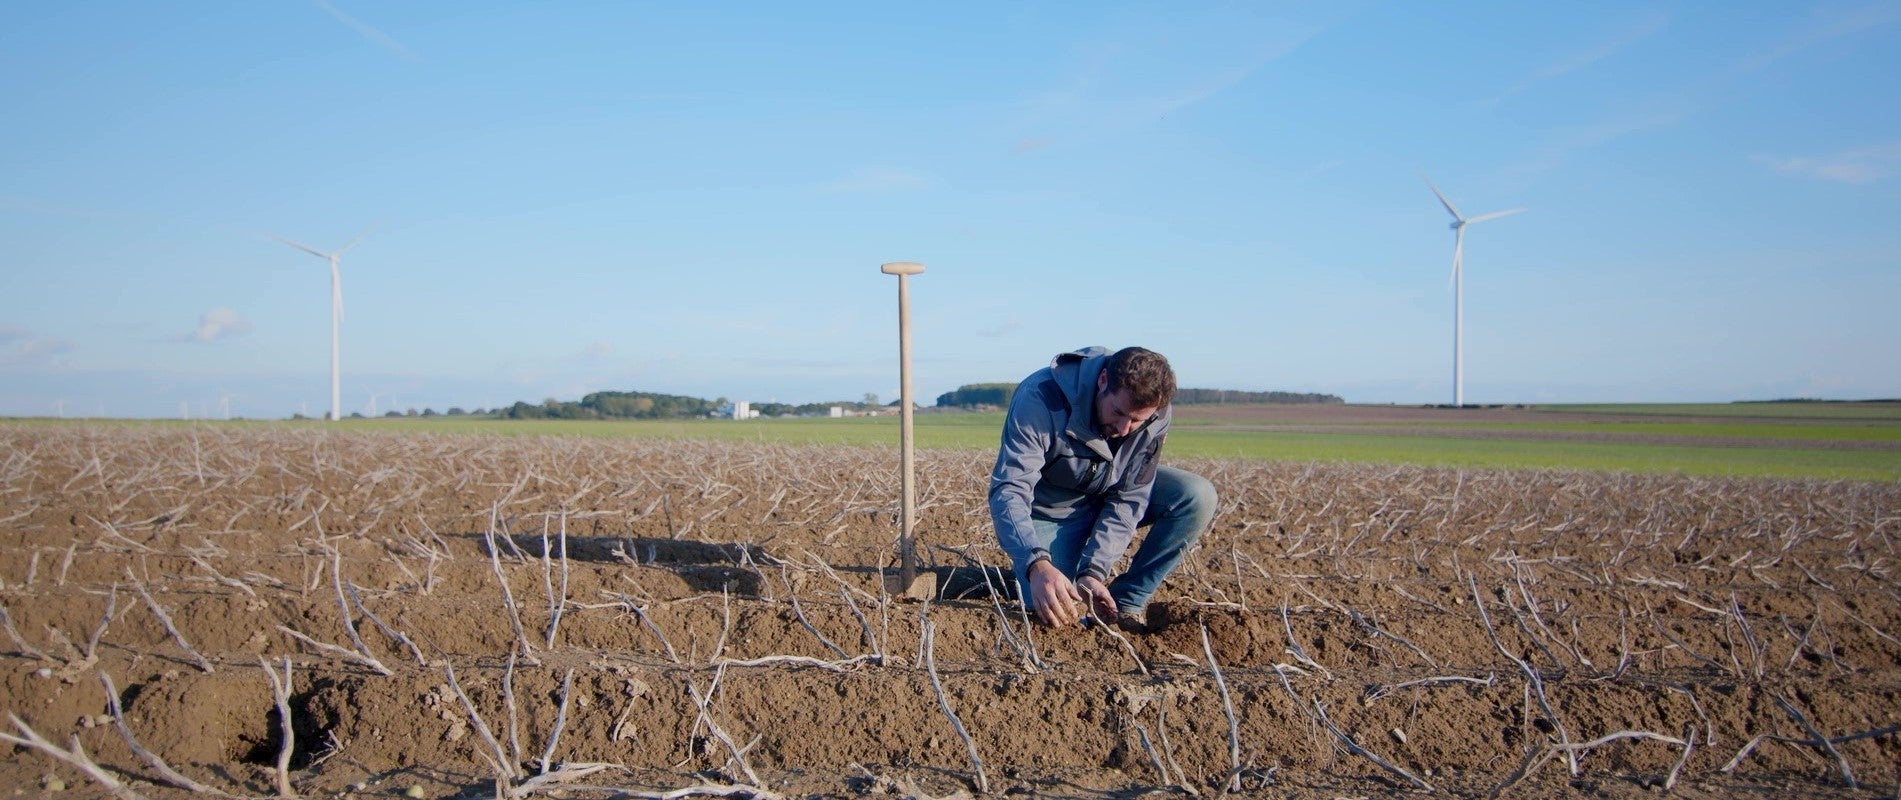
<point>1133,620</point>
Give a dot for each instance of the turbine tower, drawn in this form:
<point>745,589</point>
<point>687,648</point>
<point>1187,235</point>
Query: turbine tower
<point>336,313</point>
<point>1458,285</point>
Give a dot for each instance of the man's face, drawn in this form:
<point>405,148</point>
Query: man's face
<point>1115,416</point>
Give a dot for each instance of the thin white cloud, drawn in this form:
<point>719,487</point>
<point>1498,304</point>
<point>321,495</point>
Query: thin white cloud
<point>598,350</point>
<point>216,324</point>
<point>1566,141</point>
<point>1212,85</point>
<point>1829,26</point>
<point>878,180</point>
<point>1007,326</point>
<point>1862,166</point>
<point>25,349</point>
<point>1668,109</point>
<point>33,349</point>
<point>1322,168</point>
<point>377,37</point>
<point>1153,69</point>
<point>1651,24</point>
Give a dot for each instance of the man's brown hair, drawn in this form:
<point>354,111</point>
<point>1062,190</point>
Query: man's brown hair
<point>1145,373</point>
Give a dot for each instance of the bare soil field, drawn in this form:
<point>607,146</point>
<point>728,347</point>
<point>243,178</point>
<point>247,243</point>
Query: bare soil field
<point>264,612</point>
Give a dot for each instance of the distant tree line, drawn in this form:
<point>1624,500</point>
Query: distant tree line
<point>454,411</point>
<point>1209,397</point>
<point>978,394</point>
<point>616,405</point>
<point>812,409</point>
<point>653,405</point>
<point>972,395</point>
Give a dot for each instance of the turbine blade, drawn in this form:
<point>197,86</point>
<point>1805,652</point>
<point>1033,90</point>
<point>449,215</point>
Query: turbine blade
<point>305,248</point>
<point>359,237</point>
<point>1494,215</point>
<point>1442,197</point>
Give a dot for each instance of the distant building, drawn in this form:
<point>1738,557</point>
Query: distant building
<point>837,411</point>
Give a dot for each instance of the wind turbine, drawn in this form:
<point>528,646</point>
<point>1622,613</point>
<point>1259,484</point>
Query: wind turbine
<point>1459,222</point>
<point>336,312</point>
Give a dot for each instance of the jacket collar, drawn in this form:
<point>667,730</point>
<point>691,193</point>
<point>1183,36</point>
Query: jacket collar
<point>1076,373</point>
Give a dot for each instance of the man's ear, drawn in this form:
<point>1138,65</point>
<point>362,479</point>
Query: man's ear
<point>1102,381</point>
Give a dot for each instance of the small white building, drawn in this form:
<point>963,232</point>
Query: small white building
<point>743,410</point>
<point>837,411</point>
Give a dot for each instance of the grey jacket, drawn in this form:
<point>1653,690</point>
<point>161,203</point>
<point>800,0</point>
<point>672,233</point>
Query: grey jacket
<point>1053,464</point>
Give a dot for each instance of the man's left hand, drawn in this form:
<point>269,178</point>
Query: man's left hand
<point>1098,596</point>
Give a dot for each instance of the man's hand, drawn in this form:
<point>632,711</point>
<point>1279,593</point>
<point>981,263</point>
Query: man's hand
<point>1098,596</point>
<point>1057,601</point>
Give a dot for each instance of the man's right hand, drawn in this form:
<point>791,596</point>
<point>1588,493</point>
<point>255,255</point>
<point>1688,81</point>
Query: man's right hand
<point>1057,601</point>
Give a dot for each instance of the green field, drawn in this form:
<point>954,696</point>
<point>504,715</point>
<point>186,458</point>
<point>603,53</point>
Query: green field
<point>1797,440</point>
<point>1875,411</point>
<point>1507,453</point>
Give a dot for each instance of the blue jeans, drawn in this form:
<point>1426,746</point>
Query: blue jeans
<point>1181,505</point>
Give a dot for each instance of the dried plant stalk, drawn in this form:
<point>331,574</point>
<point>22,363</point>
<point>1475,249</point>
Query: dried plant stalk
<point>504,769</point>
<point>1531,675</point>
<point>391,632</point>
<point>1436,679</point>
<point>1848,775</point>
<point>560,722</point>
<point>702,790</point>
<point>735,752</point>
<point>1227,707</point>
<point>166,620</point>
<point>73,754</point>
<point>339,652</point>
<point>508,598</point>
<point>19,641</point>
<point>514,717</point>
<point>1124,641</point>
<point>280,692</point>
<point>799,612</point>
<point>1355,749</point>
<point>970,747</point>
<point>557,602</point>
<point>1142,734</point>
<point>845,665</point>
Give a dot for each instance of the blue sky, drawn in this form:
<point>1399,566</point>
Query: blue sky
<point>695,199</point>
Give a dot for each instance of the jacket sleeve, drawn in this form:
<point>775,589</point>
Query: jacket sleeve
<point>1027,436</point>
<point>1122,509</point>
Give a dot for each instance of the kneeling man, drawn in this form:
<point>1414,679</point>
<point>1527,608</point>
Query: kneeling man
<point>1079,470</point>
